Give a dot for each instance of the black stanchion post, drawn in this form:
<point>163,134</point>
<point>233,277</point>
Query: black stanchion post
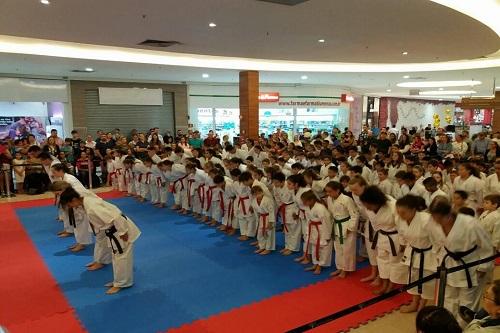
<point>443,275</point>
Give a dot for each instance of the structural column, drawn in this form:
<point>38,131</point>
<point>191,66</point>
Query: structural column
<point>249,104</point>
<point>496,113</point>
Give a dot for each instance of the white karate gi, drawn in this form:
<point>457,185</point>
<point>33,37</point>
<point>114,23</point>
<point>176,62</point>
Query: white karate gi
<point>227,198</point>
<point>324,170</point>
<point>319,235</point>
<point>177,178</point>
<point>422,239</point>
<point>368,232</point>
<point>465,234</point>
<point>393,170</point>
<point>197,191</point>
<point>429,197</point>
<point>474,188</point>
<point>266,229</point>
<point>213,207</point>
<point>157,187</point>
<point>246,219</point>
<point>117,174</point>
<point>386,186</point>
<point>304,222</point>
<point>286,209</point>
<point>388,257</point>
<point>492,185</point>
<point>104,216</point>
<point>345,225</point>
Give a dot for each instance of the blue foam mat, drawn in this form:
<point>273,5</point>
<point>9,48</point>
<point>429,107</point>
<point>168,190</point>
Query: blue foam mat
<point>183,271</point>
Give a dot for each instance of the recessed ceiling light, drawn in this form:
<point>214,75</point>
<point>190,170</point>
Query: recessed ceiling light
<point>45,2</point>
<point>321,40</point>
<point>89,69</point>
<point>304,77</point>
<point>437,84</point>
<point>404,53</point>
<point>212,25</point>
<point>406,77</point>
<point>205,75</point>
<point>447,92</point>
<point>440,99</point>
<point>388,90</point>
<point>441,88</point>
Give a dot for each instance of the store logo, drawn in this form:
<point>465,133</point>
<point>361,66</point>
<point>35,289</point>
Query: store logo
<point>269,97</point>
<point>345,98</point>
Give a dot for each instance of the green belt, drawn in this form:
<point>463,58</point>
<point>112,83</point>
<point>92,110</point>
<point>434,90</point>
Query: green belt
<point>339,225</point>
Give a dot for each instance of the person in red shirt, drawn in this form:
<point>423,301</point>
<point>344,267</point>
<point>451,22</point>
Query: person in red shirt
<point>211,140</point>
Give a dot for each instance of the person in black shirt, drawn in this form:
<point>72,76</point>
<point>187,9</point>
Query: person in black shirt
<point>76,143</point>
<point>383,143</point>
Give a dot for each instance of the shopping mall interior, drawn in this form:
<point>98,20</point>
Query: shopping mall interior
<point>242,69</point>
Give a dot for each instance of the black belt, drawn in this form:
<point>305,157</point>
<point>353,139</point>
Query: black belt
<point>391,242</point>
<point>415,250</point>
<point>110,233</point>
<point>71,216</point>
<point>458,256</point>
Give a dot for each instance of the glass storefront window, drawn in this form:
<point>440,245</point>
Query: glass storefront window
<point>227,122</point>
<point>272,119</point>
<point>205,120</point>
<point>322,119</point>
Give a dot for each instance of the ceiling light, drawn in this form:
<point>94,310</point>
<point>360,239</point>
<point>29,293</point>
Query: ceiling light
<point>321,40</point>
<point>45,2</point>
<point>441,88</point>
<point>89,69</point>
<point>304,77</point>
<point>448,92</point>
<point>406,77</point>
<point>212,25</point>
<point>437,84</point>
<point>404,53</point>
<point>388,90</point>
<point>205,75</point>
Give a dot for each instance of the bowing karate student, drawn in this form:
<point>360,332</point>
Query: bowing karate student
<point>134,168</point>
<point>287,208</point>
<point>75,218</point>
<point>465,241</point>
<point>469,180</point>
<point>119,229</point>
<point>227,197</point>
<point>345,225</point>
<point>147,179</point>
<point>196,188</point>
<point>157,186</point>
<point>297,184</point>
<point>492,182</point>
<point>357,186</point>
<point>102,252</point>
<point>214,211</point>
<point>422,240</point>
<point>263,206</point>
<point>381,211</point>
<point>319,234</point>
<point>117,175</point>
<point>176,175</point>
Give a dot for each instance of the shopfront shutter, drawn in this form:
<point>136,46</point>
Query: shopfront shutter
<point>128,117</point>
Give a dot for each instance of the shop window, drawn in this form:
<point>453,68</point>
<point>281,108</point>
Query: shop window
<point>272,119</point>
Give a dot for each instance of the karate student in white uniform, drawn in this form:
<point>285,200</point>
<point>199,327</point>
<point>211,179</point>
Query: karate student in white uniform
<point>134,168</point>
<point>433,191</point>
<point>357,185</point>
<point>492,183</point>
<point>422,240</point>
<point>157,185</point>
<point>287,208</point>
<point>227,197</point>
<point>75,217</point>
<point>264,208</point>
<point>246,218</point>
<point>465,241</point>
<point>381,211</point>
<point>319,235</point>
<point>119,229</point>
<point>345,225</point>
<point>469,180</point>
<point>297,184</point>
<point>176,175</point>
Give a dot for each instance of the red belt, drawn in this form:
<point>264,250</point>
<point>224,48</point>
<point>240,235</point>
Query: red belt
<point>264,217</point>
<point>118,171</point>
<point>241,202</point>
<point>182,184</point>
<point>282,212</point>
<point>315,224</point>
<point>148,177</point>
<point>221,202</point>
<point>303,212</point>
<point>209,196</point>
<point>230,212</point>
<point>158,182</point>
<point>190,183</point>
<point>126,177</point>
<point>201,194</point>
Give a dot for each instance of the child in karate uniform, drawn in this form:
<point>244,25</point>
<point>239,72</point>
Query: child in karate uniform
<point>157,187</point>
<point>287,208</point>
<point>227,196</point>
<point>297,184</point>
<point>176,175</point>
<point>246,218</point>
<point>134,168</point>
<point>345,225</point>
<point>213,199</point>
<point>319,236</point>
<point>263,206</point>
<point>147,180</point>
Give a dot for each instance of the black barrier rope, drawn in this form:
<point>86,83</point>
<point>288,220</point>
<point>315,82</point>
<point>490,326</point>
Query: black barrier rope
<point>394,292</point>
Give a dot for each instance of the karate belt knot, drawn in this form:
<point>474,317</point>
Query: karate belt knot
<point>282,212</point>
<point>190,184</point>
<point>241,203</point>
<point>339,226</point>
<point>201,194</point>
<point>312,224</point>
<point>230,212</point>
<point>71,217</point>
<point>391,241</point>
<point>110,233</point>
<point>458,256</point>
<point>180,180</point>
<point>210,194</point>
<point>263,217</point>
<point>416,250</point>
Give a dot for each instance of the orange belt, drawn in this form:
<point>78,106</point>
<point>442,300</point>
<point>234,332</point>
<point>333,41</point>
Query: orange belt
<point>313,224</point>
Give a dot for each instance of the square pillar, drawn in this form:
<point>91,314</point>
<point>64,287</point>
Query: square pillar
<point>249,104</point>
<point>495,126</point>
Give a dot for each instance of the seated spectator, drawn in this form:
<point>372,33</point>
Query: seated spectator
<point>491,303</point>
<point>434,319</point>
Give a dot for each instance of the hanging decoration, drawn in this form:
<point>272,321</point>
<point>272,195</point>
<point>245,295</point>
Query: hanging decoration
<point>437,120</point>
<point>448,116</point>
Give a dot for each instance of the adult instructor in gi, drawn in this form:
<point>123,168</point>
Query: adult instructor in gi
<point>119,229</point>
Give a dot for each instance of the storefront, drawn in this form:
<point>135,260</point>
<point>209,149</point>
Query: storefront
<point>294,108</point>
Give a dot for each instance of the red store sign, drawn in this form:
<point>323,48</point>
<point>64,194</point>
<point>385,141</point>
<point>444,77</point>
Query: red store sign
<point>269,97</point>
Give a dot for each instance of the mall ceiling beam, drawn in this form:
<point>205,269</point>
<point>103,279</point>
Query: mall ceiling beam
<point>249,104</point>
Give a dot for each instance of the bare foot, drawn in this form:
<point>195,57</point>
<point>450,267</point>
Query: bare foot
<point>183,211</point>
<point>282,250</point>
<point>222,227</point>
<point>265,252</point>
<point>342,275</point>
<point>213,223</point>
<point>287,252</point>
<point>368,278</point>
<point>78,248</point>
<point>360,259</point>
<point>317,271</point>
<point>258,251</point>
<point>65,234</point>
<point>337,272</point>
<point>243,238</point>
<point>376,282</point>
<point>410,308</point>
<point>299,259</point>
<point>305,261</point>
<point>61,232</point>
<point>254,243</point>
<point>90,264</point>
<point>96,266</point>
<point>231,232</point>
<point>73,246</point>
<point>113,290</point>
<point>310,268</point>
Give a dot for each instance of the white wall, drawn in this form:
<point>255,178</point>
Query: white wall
<point>419,114</point>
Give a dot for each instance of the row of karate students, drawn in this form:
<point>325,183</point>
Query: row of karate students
<point>87,217</point>
<point>387,226</point>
